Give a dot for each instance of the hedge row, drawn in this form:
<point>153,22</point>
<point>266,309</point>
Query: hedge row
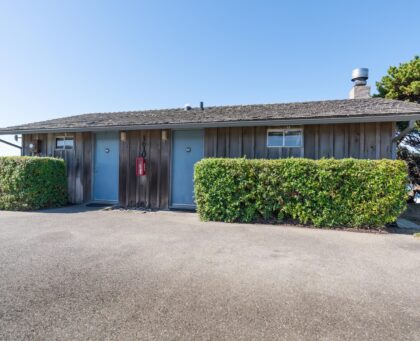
<point>31,183</point>
<point>325,193</point>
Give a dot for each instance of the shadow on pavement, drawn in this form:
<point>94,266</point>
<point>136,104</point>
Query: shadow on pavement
<point>71,209</point>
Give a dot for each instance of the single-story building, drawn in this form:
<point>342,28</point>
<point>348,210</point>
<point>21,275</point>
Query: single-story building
<point>102,150</point>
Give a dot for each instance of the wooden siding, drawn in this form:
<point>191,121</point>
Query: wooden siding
<point>78,161</point>
<point>151,190</point>
<point>247,141</point>
<point>358,140</point>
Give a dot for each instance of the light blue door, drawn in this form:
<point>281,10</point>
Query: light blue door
<point>187,149</point>
<point>105,179</point>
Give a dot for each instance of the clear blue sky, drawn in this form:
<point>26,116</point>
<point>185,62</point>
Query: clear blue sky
<point>62,58</point>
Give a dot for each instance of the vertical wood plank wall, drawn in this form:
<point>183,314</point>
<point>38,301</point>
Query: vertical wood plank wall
<point>247,141</point>
<point>359,140</point>
<point>78,161</point>
<point>151,190</point>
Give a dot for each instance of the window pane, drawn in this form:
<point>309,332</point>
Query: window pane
<point>69,143</point>
<point>292,138</point>
<point>275,139</point>
<point>59,143</point>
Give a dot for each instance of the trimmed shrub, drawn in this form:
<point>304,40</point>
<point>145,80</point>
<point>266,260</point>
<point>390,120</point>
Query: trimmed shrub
<point>325,193</point>
<point>32,183</point>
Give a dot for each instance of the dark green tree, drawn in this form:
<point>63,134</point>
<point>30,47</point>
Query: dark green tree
<point>403,83</point>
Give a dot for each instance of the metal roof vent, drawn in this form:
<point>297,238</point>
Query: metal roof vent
<point>360,76</point>
<point>360,89</point>
<point>187,107</point>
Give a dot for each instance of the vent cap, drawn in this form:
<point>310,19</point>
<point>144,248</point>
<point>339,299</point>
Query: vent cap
<point>360,76</point>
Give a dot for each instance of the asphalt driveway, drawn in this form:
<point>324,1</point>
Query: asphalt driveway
<point>90,274</point>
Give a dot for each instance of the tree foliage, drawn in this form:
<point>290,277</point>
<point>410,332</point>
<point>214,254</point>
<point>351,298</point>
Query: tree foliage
<point>403,83</point>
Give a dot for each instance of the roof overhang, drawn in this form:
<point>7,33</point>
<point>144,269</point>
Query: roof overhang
<point>244,123</point>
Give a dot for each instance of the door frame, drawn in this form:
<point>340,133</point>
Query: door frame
<point>171,206</point>
<point>92,189</point>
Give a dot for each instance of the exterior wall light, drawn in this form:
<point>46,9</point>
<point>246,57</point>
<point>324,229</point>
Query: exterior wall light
<point>164,135</point>
<point>123,136</point>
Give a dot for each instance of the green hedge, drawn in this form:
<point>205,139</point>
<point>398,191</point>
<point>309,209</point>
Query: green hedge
<point>325,193</point>
<point>31,183</point>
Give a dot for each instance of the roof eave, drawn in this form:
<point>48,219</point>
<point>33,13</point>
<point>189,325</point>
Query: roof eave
<point>220,124</point>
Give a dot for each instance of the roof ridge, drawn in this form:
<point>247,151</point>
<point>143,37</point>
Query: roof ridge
<point>342,108</point>
<point>181,109</point>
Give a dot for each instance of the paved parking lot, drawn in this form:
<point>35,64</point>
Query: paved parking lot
<point>79,273</point>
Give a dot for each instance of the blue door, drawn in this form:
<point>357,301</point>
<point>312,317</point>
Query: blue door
<point>105,179</point>
<point>187,149</point>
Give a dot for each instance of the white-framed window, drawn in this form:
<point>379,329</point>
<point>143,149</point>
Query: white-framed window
<point>66,142</point>
<point>287,138</point>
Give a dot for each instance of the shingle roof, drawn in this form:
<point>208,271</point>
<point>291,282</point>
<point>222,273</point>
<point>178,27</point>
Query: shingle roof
<point>345,110</point>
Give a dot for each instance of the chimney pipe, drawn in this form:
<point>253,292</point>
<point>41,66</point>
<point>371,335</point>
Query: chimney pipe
<point>202,105</point>
<point>360,90</point>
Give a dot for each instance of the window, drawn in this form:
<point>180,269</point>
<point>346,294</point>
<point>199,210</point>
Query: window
<point>284,138</point>
<point>64,143</point>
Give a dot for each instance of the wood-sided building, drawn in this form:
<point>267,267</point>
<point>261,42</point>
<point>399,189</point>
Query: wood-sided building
<point>101,149</point>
